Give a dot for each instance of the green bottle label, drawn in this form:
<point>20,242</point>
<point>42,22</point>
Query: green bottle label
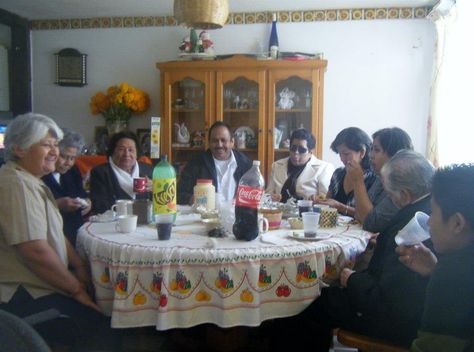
<point>164,196</point>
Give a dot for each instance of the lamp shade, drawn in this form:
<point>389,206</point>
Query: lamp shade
<point>203,14</point>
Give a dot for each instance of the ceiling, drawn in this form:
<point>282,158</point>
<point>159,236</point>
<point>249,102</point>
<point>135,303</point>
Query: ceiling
<point>56,9</point>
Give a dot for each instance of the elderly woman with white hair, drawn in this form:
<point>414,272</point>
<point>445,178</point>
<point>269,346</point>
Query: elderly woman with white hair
<point>39,268</point>
<point>65,182</point>
<point>385,300</point>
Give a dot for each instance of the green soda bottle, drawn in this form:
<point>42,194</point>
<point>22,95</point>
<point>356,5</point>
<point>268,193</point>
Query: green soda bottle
<point>164,188</point>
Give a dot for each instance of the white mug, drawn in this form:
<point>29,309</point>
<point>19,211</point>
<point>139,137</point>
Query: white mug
<point>123,207</point>
<point>126,223</point>
<point>262,223</point>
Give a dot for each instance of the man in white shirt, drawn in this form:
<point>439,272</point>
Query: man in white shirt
<point>221,163</point>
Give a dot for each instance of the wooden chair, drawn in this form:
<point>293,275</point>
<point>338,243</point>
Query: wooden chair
<point>365,343</point>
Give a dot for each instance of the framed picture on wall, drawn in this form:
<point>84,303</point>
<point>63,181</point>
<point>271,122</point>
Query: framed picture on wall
<point>101,139</point>
<point>144,135</point>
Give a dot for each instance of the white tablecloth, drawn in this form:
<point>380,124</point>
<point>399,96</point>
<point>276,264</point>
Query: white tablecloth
<point>193,279</point>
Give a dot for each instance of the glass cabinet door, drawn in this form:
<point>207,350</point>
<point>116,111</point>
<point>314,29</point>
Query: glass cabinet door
<point>187,120</point>
<point>291,108</point>
<point>240,108</point>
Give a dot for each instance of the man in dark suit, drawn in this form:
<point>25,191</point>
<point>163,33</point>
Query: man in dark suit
<point>385,300</point>
<point>220,163</point>
<point>114,180</point>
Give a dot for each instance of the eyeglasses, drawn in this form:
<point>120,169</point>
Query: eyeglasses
<point>298,148</point>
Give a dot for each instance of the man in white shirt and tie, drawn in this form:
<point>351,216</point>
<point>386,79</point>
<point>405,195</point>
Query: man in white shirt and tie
<point>221,163</point>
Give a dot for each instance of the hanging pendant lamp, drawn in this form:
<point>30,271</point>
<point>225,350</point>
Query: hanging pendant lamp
<point>202,14</point>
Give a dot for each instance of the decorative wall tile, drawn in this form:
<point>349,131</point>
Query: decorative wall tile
<point>128,22</point>
<point>260,17</point>
<point>369,14</point>
<point>319,16</point>
<point>393,13</point>
<point>237,18</point>
<point>249,18</point>
<point>421,12</point>
<point>158,21</point>
<point>86,23</point>
<point>296,16</point>
<point>117,22</point>
<point>170,21</point>
<point>65,24</point>
<point>406,13</point>
<point>357,14</point>
<point>381,14</point>
<point>284,16</point>
<point>105,22</point>
<point>76,23</point>
<point>94,23</point>
<point>331,15</point>
<point>308,16</point>
<point>344,15</point>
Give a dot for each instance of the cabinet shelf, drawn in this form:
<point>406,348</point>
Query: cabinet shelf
<point>281,150</point>
<point>194,149</point>
<point>292,110</point>
<point>186,110</point>
<point>240,110</point>
<point>247,150</point>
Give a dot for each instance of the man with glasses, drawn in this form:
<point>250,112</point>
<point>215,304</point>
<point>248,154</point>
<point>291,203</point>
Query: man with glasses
<point>301,175</point>
<point>65,182</point>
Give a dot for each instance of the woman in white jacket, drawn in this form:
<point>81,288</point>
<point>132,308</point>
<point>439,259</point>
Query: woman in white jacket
<point>301,175</point>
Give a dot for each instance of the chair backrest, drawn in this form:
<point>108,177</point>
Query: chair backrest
<point>365,343</point>
<point>17,335</point>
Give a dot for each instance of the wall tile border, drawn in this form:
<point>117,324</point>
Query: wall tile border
<point>237,18</point>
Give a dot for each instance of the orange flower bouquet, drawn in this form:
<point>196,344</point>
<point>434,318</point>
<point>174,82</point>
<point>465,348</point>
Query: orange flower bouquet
<point>118,104</point>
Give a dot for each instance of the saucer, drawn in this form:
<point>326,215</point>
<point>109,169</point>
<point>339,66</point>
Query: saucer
<point>98,218</point>
<point>299,235</point>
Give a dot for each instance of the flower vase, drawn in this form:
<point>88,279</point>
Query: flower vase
<point>116,127</point>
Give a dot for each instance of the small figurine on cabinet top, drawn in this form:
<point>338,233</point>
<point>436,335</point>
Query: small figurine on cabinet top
<point>185,46</point>
<point>207,43</point>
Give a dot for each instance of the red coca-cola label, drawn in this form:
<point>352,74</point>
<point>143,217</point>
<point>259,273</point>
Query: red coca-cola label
<point>248,196</point>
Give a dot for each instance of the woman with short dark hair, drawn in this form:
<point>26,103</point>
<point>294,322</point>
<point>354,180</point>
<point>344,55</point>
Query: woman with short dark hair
<point>114,180</point>
<point>353,145</point>
<point>301,175</point>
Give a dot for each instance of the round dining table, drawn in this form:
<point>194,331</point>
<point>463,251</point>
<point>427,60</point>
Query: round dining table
<point>193,279</point>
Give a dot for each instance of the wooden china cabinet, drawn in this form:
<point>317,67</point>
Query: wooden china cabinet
<point>262,100</point>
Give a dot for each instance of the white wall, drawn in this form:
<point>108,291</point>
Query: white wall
<point>378,73</point>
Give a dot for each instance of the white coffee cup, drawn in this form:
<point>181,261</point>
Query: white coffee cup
<point>126,223</point>
<point>262,223</point>
<point>416,231</point>
<point>123,207</point>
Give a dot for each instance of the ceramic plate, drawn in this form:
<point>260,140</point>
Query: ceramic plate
<point>299,235</point>
<point>245,129</point>
<point>344,220</point>
<point>186,219</point>
<point>98,218</point>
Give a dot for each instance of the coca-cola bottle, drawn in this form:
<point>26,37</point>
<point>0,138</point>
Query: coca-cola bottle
<point>249,193</point>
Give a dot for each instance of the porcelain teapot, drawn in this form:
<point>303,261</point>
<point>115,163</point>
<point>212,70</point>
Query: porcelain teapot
<point>182,133</point>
